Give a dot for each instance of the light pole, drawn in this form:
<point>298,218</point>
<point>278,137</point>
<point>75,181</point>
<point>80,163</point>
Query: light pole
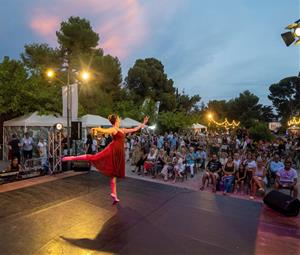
<point>84,75</point>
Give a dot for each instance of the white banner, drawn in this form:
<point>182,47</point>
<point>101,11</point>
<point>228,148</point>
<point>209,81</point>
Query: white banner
<point>73,103</point>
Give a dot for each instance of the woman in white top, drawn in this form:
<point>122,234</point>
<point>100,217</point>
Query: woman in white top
<point>259,178</point>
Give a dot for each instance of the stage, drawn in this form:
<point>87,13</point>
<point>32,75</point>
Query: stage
<point>75,215</point>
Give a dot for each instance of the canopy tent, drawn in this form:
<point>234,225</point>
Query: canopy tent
<point>37,125</point>
<point>35,120</point>
<point>90,120</point>
<point>198,126</point>
<point>128,123</point>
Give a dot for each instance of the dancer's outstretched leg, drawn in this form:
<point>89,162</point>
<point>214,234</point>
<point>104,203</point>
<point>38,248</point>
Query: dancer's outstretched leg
<point>80,157</point>
<point>113,185</point>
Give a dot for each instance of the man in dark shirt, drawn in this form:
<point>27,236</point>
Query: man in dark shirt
<point>213,168</point>
<point>14,146</point>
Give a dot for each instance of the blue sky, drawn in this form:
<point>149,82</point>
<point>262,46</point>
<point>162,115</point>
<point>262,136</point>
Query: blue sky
<point>214,48</point>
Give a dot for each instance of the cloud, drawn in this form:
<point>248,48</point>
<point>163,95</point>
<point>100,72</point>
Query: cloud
<point>44,24</point>
<point>121,23</point>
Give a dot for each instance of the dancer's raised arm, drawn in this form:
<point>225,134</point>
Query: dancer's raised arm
<point>108,131</point>
<point>132,130</point>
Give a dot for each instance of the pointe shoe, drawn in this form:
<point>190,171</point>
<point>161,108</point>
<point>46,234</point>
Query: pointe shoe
<point>115,198</point>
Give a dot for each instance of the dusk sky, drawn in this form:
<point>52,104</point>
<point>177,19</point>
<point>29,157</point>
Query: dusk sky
<point>214,48</point>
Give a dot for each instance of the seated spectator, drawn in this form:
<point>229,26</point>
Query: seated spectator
<point>228,175</point>
<point>179,166</point>
<point>259,179</point>
<point>236,160</point>
<point>203,156</point>
<point>240,178</point>
<point>213,171</point>
<point>168,166</point>
<point>275,165</point>
<point>137,154</point>
<point>191,160</point>
<point>150,160</point>
<point>223,158</point>
<point>14,166</point>
<point>159,163</point>
<point>287,178</point>
<point>142,158</point>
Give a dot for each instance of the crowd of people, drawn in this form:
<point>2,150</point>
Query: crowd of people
<point>227,162</point>
<point>231,163</point>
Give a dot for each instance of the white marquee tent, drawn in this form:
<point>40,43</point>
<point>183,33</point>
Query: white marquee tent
<point>35,120</point>
<point>128,123</point>
<point>199,127</point>
<point>90,120</point>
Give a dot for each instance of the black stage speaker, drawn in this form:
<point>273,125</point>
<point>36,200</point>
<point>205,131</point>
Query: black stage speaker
<point>282,203</point>
<point>66,165</point>
<point>76,130</point>
<point>79,166</point>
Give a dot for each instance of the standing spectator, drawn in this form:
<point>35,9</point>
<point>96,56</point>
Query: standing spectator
<point>89,144</point>
<point>27,146</point>
<point>14,146</point>
<point>287,178</point>
<point>42,151</point>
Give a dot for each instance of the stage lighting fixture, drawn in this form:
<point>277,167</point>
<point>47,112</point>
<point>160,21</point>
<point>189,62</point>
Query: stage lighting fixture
<point>58,126</point>
<point>292,36</point>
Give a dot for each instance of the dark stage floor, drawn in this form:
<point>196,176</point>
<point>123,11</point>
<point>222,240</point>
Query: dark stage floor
<point>75,216</point>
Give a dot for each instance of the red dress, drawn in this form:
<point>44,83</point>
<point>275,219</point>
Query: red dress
<point>110,161</point>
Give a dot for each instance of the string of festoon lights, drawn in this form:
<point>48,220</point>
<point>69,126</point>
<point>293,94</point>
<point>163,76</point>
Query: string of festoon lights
<point>225,124</point>
<point>294,121</point>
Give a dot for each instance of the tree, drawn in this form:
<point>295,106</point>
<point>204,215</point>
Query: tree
<point>285,96</point>
<point>186,103</point>
<point>76,36</point>
<point>245,108</point>
<point>38,57</point>
<point>174,121</point>
<point>77,51</point>
<point>147,79</point>
<point>260,131</point>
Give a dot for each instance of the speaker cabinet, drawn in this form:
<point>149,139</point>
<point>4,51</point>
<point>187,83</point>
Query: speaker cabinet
<point>81,166</point>
<point>282,203</point>
<point>76,130</point>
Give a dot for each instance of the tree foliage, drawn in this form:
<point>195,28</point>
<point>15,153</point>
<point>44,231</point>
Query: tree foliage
<point>260,131</point>
<point>76,52</point>
<point>147,79</point>
<point>244,108</point>
<point>285,96</point>
<point>21,93</point>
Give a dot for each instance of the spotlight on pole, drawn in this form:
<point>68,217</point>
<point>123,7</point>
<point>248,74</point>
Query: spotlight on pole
<point>58,127</point>
<point>293,35</point>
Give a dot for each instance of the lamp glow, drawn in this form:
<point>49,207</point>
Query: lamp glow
<point>85,75</point>
<point>50,73</point>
